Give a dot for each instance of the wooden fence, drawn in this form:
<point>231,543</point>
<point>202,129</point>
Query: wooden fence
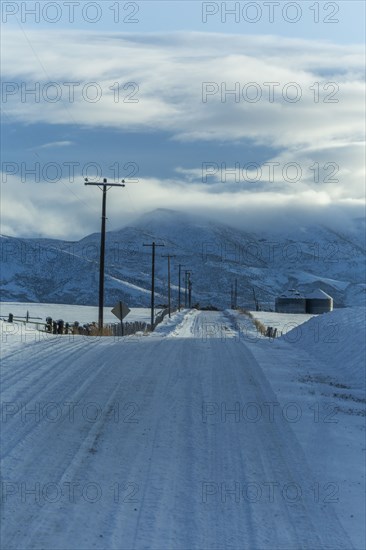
<point>89,329</point>
<point>137,326</point>
<point>116,329</point>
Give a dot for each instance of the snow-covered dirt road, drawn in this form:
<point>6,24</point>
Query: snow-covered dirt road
<point>154,443</point>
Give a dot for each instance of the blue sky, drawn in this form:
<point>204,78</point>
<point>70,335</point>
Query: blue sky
<point>341,21</point>
<point>194,120</point>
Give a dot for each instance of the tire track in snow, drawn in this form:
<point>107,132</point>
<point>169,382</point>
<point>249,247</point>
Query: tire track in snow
<point>37,362</point>
<point>49,382</point>
<point>77,463</point>
<point>27,429</point>
<point>48,372</point>
<point>152,446</point>
<point>66,460</point>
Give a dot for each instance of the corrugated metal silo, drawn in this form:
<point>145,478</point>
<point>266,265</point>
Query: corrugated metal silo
<point>318,302</point>
<point>290,301</point>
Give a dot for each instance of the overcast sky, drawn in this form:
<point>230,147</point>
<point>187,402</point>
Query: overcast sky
<point>258,112</point>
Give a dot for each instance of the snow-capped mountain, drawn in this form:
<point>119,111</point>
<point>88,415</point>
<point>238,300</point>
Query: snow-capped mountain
<point>48,270</point>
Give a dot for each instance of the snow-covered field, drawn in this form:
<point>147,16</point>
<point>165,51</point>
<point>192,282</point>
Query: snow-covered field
<point>199,436</point>
<point>69,313</point>
<point>284,322</point>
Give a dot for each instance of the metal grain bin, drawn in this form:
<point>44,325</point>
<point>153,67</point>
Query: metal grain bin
<point>290,301</point>
<point>318,302</point>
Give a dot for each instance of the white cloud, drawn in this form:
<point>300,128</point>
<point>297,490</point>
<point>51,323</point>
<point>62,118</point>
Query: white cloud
<point>170,72</point>
<point>71,211</point>
<point>54,144</point>
<point>337,170</point>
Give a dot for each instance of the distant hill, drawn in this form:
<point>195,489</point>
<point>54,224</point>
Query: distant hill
<point>55,271</point>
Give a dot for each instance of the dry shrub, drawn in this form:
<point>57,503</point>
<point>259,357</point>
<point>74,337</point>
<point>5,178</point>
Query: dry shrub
<point>245,312</point>
<point>107,331</point>
<point>260,327</point>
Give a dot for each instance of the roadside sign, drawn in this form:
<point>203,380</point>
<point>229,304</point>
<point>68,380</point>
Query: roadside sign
<point>120,310</point>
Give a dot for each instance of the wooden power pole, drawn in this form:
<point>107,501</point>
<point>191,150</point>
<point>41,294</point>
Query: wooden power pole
<point>169,295</point>
<point>153,246</point>
<point>105,186</point>
<point>179,285</point>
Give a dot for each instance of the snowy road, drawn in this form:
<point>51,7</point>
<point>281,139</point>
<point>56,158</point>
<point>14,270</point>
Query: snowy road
<point>154,443</point>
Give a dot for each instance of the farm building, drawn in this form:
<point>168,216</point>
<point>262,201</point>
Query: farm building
<point>291,301</point>
<point>318,302</point>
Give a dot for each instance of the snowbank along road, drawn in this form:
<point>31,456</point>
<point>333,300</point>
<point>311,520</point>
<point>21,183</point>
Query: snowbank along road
<point>138,443</point>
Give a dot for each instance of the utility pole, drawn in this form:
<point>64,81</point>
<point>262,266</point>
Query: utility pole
<point>187,274</point>
<point>255,300</point>
<point>105,186</point>
<point>189,291</point>
<point>169,301</point>
<point>153,245</point>
<point>234,294</point>
<point>179,287</point>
